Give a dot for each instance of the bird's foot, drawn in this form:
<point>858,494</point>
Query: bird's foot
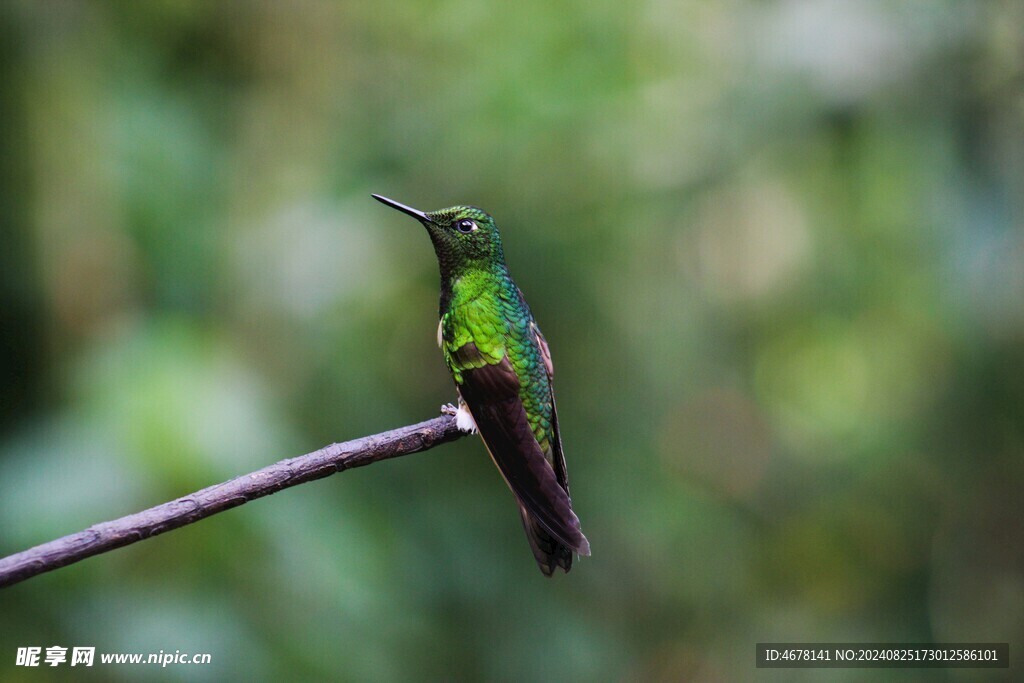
<point>463,418</point>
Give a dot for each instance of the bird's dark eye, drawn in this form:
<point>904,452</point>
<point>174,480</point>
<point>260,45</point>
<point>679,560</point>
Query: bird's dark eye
<point>465,225</point>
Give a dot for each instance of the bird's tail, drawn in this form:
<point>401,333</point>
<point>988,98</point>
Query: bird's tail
<point>549,552</point>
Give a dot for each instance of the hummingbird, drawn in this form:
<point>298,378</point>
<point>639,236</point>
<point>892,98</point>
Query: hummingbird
<point>502,369</point>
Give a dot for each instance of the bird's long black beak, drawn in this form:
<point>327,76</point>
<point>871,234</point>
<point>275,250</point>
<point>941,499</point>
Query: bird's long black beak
<point>415,213</point>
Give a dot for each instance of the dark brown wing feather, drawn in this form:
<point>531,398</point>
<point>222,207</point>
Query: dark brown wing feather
<point>548,552</point>
<point>492,394</point>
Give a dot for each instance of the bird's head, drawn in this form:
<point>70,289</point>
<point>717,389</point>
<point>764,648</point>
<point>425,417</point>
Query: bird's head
<point>463,236</point>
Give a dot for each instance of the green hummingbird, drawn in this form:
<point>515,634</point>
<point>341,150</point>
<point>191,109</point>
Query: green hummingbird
<point>502,369</point>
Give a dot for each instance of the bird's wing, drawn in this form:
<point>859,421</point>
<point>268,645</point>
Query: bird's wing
<point>490,389</point>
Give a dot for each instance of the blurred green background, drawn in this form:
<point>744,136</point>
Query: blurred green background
<point>776,247</point>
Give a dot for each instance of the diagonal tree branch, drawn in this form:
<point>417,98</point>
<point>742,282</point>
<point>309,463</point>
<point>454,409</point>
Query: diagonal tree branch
<point>106,536</point>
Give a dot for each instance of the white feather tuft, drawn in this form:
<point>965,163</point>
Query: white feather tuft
<point>464,419</point>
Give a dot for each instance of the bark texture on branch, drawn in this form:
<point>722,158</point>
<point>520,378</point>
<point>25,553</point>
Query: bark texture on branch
<point>105,536</point>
